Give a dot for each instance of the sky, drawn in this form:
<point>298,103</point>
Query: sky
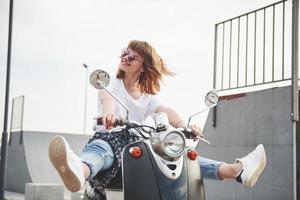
<point>52,39</point>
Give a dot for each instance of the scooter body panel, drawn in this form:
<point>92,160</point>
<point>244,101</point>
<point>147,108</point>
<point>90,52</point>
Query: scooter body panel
<point>144,180</point>
<point>139,181</point>
<point>195,181</point>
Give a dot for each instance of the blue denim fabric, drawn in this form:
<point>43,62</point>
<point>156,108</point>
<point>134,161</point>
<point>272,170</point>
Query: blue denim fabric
<point>209,168</point>
<point>98,155</point>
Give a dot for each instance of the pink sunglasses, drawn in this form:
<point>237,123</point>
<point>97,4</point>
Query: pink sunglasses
<point>131,56</point>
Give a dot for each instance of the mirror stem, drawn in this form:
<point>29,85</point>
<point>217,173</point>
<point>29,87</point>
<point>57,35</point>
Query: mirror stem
<point>209,107</point>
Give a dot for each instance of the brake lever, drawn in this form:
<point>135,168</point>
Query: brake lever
<point>201,138</point>
<point>188,134</point>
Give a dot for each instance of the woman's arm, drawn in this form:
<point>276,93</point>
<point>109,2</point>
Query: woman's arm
<point>108,107</point>
<point>174,118</point>
<point>176,121</point>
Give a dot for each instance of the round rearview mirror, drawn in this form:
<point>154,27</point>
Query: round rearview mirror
<point>99,79</point>
<point>211,98</point>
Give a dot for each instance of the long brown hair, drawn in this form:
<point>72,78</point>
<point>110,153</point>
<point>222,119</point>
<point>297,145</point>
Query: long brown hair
<point>154,67</point>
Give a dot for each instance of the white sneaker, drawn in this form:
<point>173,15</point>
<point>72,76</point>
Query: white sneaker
<point>252,166</point>
<point>67,163</point>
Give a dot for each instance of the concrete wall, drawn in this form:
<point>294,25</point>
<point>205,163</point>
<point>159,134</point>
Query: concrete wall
<point>17,173</point>
<point>28,161</point>
<point>242,123</point>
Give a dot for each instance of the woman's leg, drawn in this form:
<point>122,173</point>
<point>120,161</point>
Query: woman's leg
<point>97,155</point>
<point>73,170</point>
<point>210,168</point>
<point>86,171</point>
<point>216,170</point>
<point>229,171</point>
<point>246,170</point>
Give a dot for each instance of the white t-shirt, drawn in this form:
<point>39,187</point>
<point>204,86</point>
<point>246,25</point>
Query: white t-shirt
<point>139,109</point>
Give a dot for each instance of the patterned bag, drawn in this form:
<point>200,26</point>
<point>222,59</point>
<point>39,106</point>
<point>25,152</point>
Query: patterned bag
<point>117,140</point>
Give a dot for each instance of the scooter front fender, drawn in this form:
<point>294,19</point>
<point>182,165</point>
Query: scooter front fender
<point>142,178</point>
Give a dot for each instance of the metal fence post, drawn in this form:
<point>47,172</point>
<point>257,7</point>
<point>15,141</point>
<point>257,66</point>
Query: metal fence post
<point>214,121</point>
<point>294,92</point>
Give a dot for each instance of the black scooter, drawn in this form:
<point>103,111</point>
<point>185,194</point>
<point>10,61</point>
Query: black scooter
<point>159,166</point>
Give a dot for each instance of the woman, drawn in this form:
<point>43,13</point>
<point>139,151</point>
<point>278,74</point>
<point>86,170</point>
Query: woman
<point>138,80</point>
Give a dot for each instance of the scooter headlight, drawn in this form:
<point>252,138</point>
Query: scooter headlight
<point>174,144</point>
<point>169,145</point>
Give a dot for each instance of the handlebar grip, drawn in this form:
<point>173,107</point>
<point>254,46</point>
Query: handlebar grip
<point>187,132</point>
<point>118,122</point>
<point>189,135</point>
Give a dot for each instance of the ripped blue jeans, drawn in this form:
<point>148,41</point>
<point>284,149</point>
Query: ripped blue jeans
<point>98,155</point>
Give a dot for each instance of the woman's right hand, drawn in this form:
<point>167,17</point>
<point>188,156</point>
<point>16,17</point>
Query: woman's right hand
<point>108,120</point>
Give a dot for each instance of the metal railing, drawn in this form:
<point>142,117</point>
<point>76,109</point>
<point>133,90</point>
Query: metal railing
<point>259,48</point>
<point>254,48</point>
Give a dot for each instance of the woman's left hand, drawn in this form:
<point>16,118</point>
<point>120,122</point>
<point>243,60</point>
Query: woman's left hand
<point>196,131</point>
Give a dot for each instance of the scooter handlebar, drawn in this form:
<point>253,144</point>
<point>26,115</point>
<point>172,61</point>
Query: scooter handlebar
<point>118,122</point>
<point>189,135</point>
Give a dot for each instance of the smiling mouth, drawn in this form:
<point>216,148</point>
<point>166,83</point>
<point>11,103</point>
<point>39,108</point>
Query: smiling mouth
<point>125,64</point>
